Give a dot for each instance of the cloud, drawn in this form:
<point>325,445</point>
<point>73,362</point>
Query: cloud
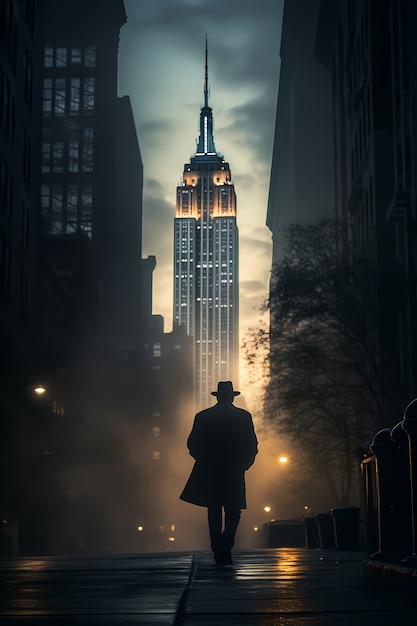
<point>255,245</point>
<point>152,132</point>
<point>251,127</point>
<point>157,212</point>
<point>255,287</point>
<point>161,66</point>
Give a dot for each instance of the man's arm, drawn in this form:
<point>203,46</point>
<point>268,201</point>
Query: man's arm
<point>194,441</point>
<point>251,443</point>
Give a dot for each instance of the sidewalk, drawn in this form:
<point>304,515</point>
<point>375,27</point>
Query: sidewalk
<point>273,587</point>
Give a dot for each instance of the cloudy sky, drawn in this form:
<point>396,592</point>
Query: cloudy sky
<point>161,67</point>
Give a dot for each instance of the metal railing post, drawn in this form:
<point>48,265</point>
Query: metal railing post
<point>409,424</point>
<point>394,528</point>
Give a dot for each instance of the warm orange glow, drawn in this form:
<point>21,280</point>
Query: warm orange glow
<point>267,509</point>
<point>171,539</point>
<point>40,390</point>
<point>283,459</point>
<point>255,529</point>
<point>140,529</point>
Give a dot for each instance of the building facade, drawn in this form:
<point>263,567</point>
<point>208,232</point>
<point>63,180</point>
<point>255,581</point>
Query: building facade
<point>370,51</point>
<point>206,282</point>
<point>301,182</point>
<point>21,36</point>
<point>345,139</point>
<point>21,43</point>
<point>92,172</point>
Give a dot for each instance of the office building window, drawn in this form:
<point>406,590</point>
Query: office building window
<point>58,157</point>
<point>87,150</point>
<point>86,217</point>
<point>49,57</point>
<point>61,57</point>
<point>75,98</point>
<point>90,56</point>
<point>66,209</point>
<point>75,56</point>
<point>46,157</point>
<point>60,96</point>
<point>45,201</point>
<point>56,209</point>
<point>72,208</point>
<point>88,94</point>
<point>58,408</point>
<point>73,155</point>
<point>47,96</point>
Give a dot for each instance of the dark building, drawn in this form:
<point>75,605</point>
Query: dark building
<point>21,50</point>
<point>370,51</point>
<point>345,139</point>
<point>76,296</point>
<point>91,164</point>
<point>301,183</point>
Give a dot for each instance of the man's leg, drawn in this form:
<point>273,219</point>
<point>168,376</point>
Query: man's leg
<point>214,513</point>
<point>231,522</point>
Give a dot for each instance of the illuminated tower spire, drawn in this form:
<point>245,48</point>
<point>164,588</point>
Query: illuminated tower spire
<point>206,78</point>
<point>206,282</point>
<point>206,141</point>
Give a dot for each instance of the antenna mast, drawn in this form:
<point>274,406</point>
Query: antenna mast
<point>206,78</point>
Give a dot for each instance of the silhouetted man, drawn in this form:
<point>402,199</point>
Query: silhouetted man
<point>224,445</point>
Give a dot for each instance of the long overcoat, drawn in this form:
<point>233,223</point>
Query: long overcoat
<point>224,445</point>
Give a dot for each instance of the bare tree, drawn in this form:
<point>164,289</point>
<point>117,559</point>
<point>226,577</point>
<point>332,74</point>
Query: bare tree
<point>325,392</point>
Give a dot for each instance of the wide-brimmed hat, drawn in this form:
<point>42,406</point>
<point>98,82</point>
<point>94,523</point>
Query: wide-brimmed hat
<point>225,388</point>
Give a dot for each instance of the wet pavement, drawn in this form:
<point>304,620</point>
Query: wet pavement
<point>273,587</point>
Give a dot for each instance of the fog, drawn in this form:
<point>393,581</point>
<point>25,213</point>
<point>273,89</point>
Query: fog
<point>111,475</point>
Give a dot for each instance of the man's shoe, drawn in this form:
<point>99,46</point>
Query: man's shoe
<point>219,558</point>
<point>223,559</point>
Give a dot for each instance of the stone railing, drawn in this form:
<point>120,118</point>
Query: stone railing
<point>390,488</point>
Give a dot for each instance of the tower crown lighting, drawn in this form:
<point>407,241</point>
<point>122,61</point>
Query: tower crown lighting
<point>206,299</point>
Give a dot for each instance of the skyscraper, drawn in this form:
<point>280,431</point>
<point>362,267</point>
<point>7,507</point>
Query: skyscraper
<point>206,296</point>
<point>91,162</point>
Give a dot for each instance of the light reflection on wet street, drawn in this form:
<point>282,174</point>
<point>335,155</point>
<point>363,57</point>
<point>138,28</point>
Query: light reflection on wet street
<point>289,586</point>
<point>273,587</point>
